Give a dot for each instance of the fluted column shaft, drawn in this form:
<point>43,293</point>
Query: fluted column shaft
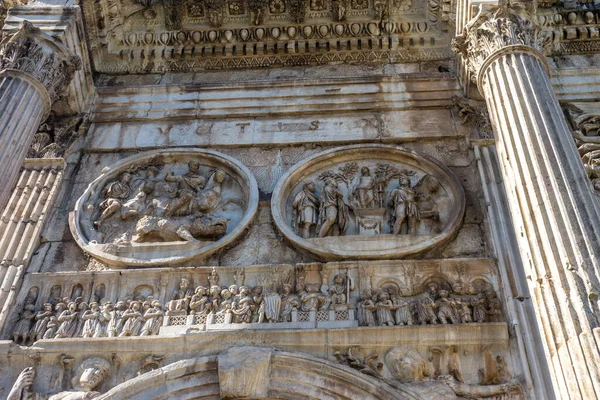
<point>554,210</point>
<point>34,72</point>
<point>555,213</point>
<point>24,103</point>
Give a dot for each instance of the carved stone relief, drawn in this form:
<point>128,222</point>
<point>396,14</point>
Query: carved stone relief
<point>370,201</point>
<point>236,33</point>
<point>333,295</point>
<point>91,373</point>
<point>37,54</point>
<point>164,207</point>
<point>265,372</point>
<point>586,127</point>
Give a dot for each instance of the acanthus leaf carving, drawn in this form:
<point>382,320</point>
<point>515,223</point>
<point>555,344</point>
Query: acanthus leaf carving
<point>495,29</point>
<point>30,51</point>
<point>475,113</point>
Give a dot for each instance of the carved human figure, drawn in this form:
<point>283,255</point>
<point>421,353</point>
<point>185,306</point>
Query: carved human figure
<point>136,206</point>
<point>425,310</point>
<point>366,309</point>
<point>23,325</point>
<point>305,207</point>
<point>494,311</point>
<point>258,315</point>
<point>51,328</point>
<point>244,306</point>
<point>404,210</point>
<point>428,188</point>
<point>215,298</point>
<point>404,311</point>
<point>153,319</point>
<point>408,365</point>
<point>68,322</point>
<point>235,292</point>
<point>289,303</point>
<point>81,309</point>
<point>333,212</point>
<point>115,325</point>
<point>384,309</point>
<point>465,314</point>
<point>479,308</point>
<point>91,373</point>
<point>226,306</point>
<point>107,313</point>
<point>200,303</point>
<point>191,181</point>
<point>239,276</point>
<point>446,308</point>
<point>312,299</point>
<point>42,318</point>
<point>340,288</point>
<point>364,192</point>
<point>134,320</point>
<point>114,194</point>
<point>90,320</point>
<point>208,199</point>
<point>188,185</point>
<point>180,299</point>
<point>213,278</point>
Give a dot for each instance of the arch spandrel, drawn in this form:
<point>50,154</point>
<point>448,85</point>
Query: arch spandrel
<point>285,375</point>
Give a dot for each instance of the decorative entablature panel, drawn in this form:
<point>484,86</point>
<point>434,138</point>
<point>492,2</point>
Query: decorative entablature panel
<point>570,29</point>
<point>137,36</point>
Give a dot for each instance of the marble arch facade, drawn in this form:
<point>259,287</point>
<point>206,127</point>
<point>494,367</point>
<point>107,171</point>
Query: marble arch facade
<point>299,199</point>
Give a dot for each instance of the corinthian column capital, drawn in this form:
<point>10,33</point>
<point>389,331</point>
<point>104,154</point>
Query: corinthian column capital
<point>31,53</point>
<point>506,28</point>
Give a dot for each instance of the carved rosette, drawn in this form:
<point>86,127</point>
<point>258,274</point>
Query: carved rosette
<point>502,30</point>
<point>34,53</point>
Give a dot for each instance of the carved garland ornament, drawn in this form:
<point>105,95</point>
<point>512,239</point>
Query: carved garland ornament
<point>164,207</point>
<point>368,202</point>
<point>30,51</point>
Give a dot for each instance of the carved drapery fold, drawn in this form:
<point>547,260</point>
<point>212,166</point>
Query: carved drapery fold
<point>34,53</point>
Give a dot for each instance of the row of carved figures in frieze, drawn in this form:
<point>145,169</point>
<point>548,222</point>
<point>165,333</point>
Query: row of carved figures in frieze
<point>237,303</point>
<point>434,306</point>
<point>75,318</point>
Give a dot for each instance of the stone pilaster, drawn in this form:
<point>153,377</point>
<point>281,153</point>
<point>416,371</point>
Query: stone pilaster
<point>34,71</point>
<point>22,221</point>
<point>554,210</point>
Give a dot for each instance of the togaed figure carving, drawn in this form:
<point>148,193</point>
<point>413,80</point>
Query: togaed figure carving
<point>333,212</point>
<point>313,299</point>
<point>403,208</point>
<point>364,192</point>
<point>289,302</point>
<point>305,207</point>
<point>180,299</point>
<point>340,290</point>
<point>91,373</point>
<point>366,308</point>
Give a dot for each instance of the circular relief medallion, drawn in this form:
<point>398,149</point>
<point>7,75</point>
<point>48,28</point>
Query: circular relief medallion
<point>368,202</point>
<point>164,207</point>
